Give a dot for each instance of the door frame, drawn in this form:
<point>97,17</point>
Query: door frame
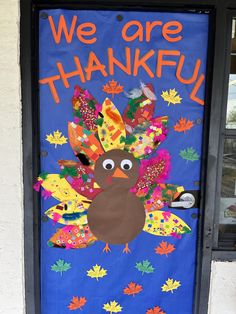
<point>30,131</point>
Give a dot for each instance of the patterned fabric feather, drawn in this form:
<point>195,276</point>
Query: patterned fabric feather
<point>72,237</point>
<point>139,109</point>
<point>146,137</point>
<point>152,171</point>
<point>83,179</point>
<point>112,128</point>
<point>86,108</point>
<point>84,141</point>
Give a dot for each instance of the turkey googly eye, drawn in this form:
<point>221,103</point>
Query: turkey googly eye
<point>108,164</point>
<point>126,164</point>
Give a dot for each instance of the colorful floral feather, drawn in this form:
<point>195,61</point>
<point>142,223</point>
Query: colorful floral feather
<point>152,171</point>
<point>85,108</point>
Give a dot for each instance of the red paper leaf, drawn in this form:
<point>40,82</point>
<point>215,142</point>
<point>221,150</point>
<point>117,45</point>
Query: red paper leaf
<point>183,125</point>
<point>77,303</point>
<point>164,248</point>
<point>156,310</point>
<point>132,289</point>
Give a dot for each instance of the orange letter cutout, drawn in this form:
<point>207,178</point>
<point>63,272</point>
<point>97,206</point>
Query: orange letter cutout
<point>50,81</point>
<point>138,34</point>
<point>195,72</point>
<point>141,62</point>
<point>149,27</point>
<point>62,27</point>
<point>65,76</point>
<point>166,31</point>
<point>161,62</point>
<point>112,60</point>
<point>80,33</point>
<point>94,65</point>
<point>196,89</point>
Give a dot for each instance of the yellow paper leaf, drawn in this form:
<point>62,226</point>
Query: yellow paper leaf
<point>170,285</point>
<point>112,307</point>
<point>171,97</point>
<point>96,272</point>
<point>56,138</point>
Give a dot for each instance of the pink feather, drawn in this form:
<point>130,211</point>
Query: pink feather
<point>37,185</point>
<point>46,194</point>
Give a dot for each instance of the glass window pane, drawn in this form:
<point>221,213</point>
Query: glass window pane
<point>231,104</point>
<point>227,221</point>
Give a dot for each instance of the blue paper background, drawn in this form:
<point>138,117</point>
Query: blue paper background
<point>57,291</point>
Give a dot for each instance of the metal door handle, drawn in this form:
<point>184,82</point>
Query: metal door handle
<point>186,200</point>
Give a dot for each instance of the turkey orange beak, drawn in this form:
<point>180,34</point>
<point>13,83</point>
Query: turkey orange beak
<point>119,174</point>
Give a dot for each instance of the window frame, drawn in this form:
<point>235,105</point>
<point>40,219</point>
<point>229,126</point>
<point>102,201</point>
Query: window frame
<point>216,69</point>
<point>224,134</point>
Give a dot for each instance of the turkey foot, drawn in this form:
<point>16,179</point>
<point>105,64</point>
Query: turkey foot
<point>106,248</point>
<point>126,249</point>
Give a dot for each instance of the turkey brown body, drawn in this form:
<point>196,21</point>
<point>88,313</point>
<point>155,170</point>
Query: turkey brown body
<point>116,220</point>
<point>116,216</point>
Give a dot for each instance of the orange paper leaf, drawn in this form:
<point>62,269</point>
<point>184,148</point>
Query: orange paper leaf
<point>77,303</point>
<point>155,310</point>
<point>183,125</point>
<point>164,248</point>
<point>112,87</point>
<point>132,289</point>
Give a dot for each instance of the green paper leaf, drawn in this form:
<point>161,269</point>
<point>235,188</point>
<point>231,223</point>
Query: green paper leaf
<point>68,171</point>
<point>145,267</point>
<point>130,139</point>
<point>60,266</point>
<point>78,114</point>
<point>133,107</point>
<point>186,229</point>
<point>99,121</point>
<point>122,139</point>
<point>189,154</point>
<point>43,175</point>
<point>91,104</point>
<point>85,177</point>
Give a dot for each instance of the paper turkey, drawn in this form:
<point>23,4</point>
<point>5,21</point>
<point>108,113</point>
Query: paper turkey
<point>114,190</point>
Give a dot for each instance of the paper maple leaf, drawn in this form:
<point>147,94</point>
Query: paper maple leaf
<point>156,310</point>
<point>189,154</point>
<point>96,272</point>
<point>77,303</point>
<point>60,266</point>
<point>112,307</point>
<point>171,97</point>
<point>183,125</point>
<point>145,267</point>
<point>132,289</point>
<point>170,285</point>
<point>164,248</point>
<point>112,87</point>
<point>56,138</point>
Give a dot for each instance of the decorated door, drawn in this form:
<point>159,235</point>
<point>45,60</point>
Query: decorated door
<point>121,123</point>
